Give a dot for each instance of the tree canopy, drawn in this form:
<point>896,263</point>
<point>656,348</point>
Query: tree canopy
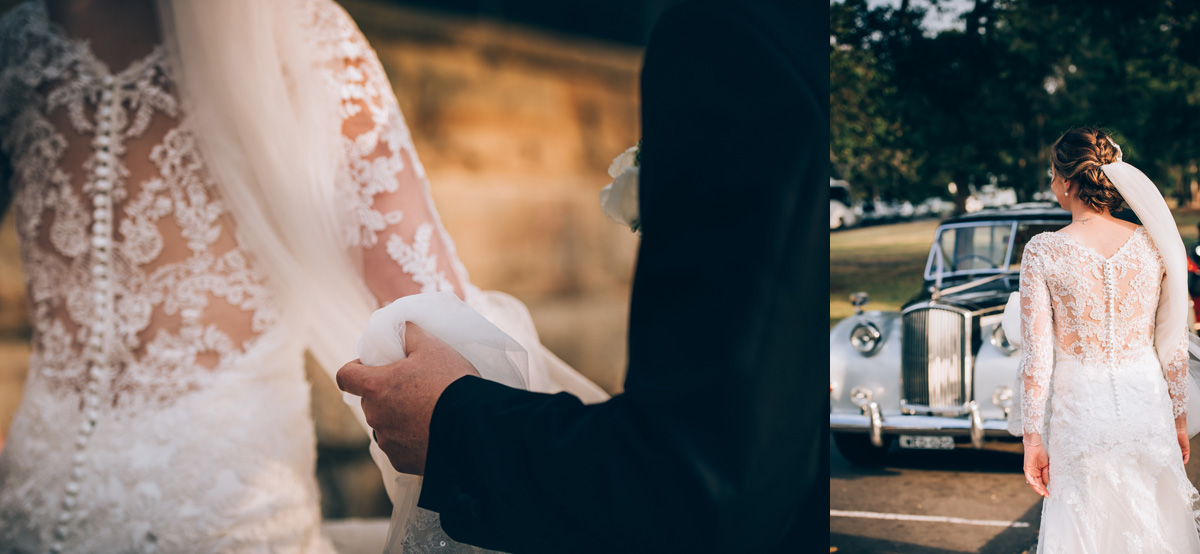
<point>911,111</point>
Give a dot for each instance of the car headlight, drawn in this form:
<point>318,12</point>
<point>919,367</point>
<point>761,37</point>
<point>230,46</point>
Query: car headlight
<point>1000,341</point>
<point>865,338</point>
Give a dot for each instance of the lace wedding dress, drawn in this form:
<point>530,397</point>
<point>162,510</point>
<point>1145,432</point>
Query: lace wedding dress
<point>1095,389</point>
<point>166,406</point>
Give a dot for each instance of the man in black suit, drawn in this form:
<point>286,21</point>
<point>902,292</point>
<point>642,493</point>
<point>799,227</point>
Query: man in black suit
<point>717,443</point>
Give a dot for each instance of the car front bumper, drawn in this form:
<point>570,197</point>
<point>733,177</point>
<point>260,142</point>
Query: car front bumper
<point>873,422</point>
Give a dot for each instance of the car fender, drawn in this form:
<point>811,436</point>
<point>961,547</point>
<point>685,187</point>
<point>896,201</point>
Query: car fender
<point>879,372</point>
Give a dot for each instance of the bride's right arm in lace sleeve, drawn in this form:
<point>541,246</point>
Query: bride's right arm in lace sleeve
<point>398,232</point>
<point>1037,340</point>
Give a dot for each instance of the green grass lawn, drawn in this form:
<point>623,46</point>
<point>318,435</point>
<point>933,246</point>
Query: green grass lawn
<point>888,261</point>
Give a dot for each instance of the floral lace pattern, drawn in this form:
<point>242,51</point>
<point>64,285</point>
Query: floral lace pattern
<point>155,335</point>
<point>1100,311</point>
<point>405,248</point>
<point>185,296</point>
<point>1096,391</point>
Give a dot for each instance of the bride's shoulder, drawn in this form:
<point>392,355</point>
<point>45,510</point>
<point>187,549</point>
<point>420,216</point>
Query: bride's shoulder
<point>1040,241</point>
<point>23,11</point>
<point>16,24</point>
<point>338,39</point>
<point>21,34</point>
<point>330,21</point>
<point>1046,244</point>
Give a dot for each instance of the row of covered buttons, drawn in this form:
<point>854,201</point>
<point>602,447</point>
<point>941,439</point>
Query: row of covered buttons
<point>104,174</point>
<point>1110,304</point>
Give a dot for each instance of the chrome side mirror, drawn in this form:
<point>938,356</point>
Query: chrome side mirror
<point>858,300</point>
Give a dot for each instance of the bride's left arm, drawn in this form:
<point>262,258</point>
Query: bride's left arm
<point>398,231</point>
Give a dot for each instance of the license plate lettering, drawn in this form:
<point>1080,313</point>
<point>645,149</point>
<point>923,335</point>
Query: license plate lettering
<point>925,442</point>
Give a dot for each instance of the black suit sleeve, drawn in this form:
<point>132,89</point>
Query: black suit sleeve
<point>712,446</point>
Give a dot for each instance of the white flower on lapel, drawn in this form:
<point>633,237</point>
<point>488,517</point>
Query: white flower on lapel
<point>619,199</point>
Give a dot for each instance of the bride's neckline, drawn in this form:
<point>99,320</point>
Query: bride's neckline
<point>84,46</point>
<point>1114,255</point>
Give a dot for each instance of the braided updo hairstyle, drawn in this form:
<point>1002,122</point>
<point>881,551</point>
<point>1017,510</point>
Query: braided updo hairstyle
<point>1078,155</point>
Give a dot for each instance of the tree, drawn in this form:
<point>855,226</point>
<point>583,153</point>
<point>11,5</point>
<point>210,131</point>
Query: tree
<point>985,103</point>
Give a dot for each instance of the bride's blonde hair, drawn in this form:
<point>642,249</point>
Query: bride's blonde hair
<point>1078,155</point>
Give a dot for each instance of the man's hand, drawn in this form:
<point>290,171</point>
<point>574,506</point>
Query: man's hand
<point>398,398</point>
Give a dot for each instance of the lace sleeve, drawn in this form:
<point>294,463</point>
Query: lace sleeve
<point>403,245</point>
<point>1037,340</point>
<point>1176,373</point>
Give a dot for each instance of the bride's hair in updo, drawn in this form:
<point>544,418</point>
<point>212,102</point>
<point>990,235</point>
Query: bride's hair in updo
<point>1078,155</point>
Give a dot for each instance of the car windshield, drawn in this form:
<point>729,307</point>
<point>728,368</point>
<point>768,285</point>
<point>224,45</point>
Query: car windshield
<point>971,248</point>
<point>982,248</point>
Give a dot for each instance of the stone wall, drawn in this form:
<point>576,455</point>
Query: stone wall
<point>516,129</point>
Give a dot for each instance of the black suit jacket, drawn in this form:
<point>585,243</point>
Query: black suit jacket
<point>716,443</point>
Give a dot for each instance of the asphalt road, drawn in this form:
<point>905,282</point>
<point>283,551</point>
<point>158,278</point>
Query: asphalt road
<point>965,500</point>
<point>970,492</point>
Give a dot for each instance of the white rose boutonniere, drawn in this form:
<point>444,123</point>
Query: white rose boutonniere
<point>619,199</point>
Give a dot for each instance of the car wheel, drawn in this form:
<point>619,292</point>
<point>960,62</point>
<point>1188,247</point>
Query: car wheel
<point>857,448</point>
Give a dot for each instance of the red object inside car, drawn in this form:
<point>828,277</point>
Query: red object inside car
<point>1194,269</point>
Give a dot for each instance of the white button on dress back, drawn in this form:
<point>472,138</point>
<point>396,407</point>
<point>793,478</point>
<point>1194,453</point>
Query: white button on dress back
<point>104,176</point>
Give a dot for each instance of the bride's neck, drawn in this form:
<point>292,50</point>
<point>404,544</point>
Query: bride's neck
<point>1082,211</point>
<point>114,27</point>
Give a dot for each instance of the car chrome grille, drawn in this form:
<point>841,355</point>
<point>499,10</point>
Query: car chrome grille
<point>935,358</point>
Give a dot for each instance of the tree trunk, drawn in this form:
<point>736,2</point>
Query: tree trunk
<point>963,192</point>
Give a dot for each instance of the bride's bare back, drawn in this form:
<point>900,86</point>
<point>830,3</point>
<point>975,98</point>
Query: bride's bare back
<point>1102,233</point>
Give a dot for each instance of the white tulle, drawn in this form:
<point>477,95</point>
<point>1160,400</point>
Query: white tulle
<point>494,354</point>
<point>477,330</point>
<point>497,356</point>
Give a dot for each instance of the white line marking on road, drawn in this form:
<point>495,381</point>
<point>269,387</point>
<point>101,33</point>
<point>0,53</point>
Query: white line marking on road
<point>933,519</point>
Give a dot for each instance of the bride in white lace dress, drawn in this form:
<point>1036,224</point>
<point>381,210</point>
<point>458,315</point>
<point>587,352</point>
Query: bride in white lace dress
<point>166,406</point>
<point>1104,362</point>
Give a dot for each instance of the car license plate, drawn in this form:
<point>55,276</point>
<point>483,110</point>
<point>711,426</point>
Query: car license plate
<point>926,442</point>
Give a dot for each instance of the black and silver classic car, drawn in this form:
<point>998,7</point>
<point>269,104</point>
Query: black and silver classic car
<point>939,373</point>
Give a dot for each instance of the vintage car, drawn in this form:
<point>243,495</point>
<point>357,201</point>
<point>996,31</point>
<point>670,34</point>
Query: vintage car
<point>844,212</point>
<point>939,373</point>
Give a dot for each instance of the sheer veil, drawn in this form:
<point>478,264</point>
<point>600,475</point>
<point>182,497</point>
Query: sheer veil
<point>1147,202</point>
<point>261,106</point>
<point>1171,321</point>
